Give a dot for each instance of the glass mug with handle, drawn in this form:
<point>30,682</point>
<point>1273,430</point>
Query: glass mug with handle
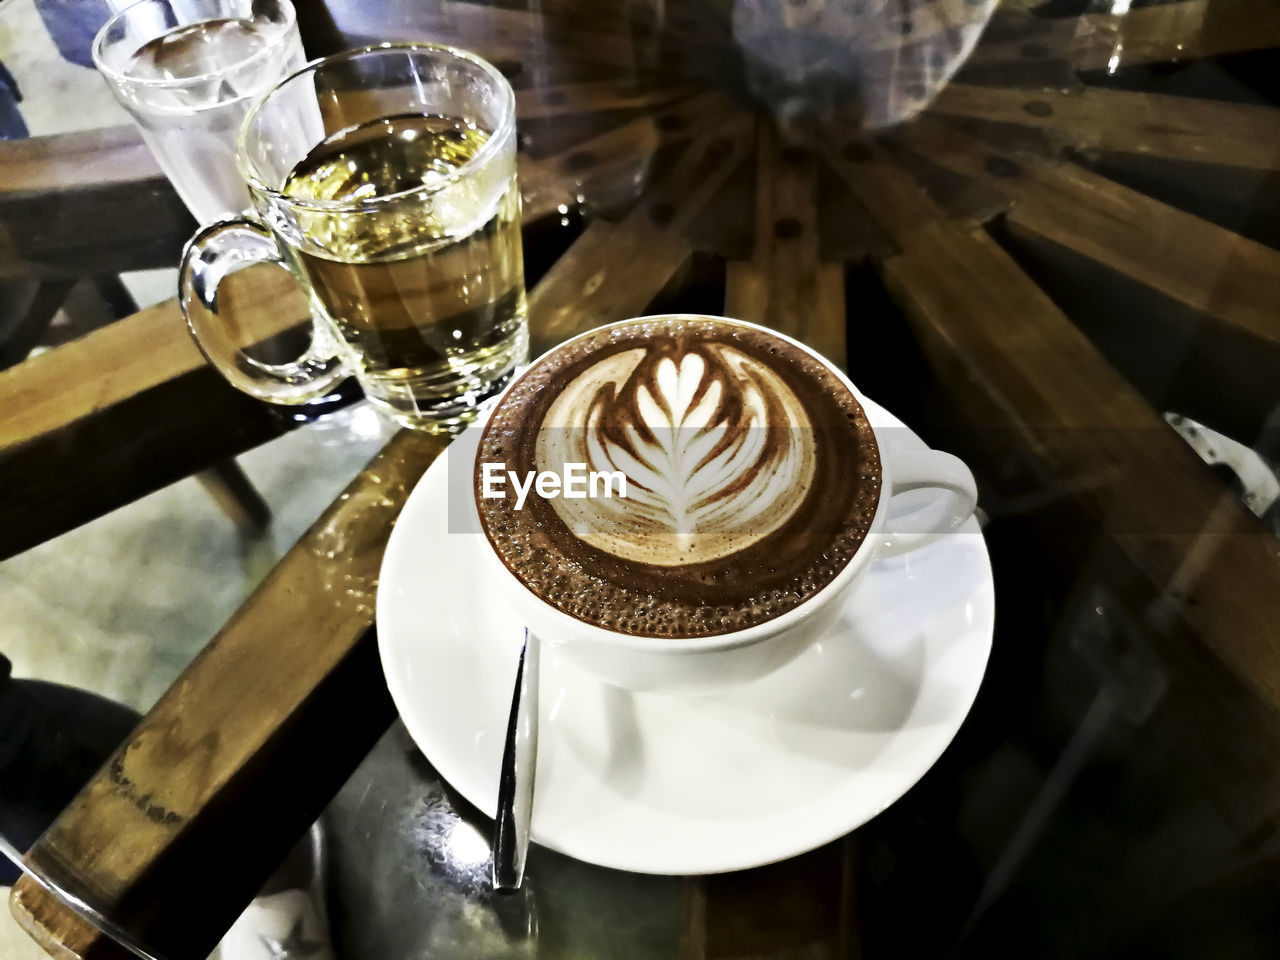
<point>384,179</point>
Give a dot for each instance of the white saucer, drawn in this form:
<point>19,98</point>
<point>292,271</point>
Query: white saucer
<point>661,784</point>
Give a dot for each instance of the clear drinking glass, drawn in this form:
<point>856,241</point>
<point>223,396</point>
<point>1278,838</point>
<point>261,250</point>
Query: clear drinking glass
<point>188,71</point>
<point>384,178</point>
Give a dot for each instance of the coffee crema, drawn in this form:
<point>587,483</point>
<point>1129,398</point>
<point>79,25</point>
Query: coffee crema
<point>752,476</point>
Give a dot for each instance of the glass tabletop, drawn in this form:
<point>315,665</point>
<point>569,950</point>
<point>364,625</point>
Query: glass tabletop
<point>1042,235</point>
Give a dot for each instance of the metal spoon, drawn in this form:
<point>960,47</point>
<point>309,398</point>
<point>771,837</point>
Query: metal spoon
<point>511,827</point>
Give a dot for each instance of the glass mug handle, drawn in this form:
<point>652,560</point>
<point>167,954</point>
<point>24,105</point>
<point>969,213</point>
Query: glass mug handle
<point>957,496</point>
<point>209,257</point>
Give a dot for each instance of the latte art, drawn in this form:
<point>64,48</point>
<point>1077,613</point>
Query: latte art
<point>752,477</point>
<point>717,451</point>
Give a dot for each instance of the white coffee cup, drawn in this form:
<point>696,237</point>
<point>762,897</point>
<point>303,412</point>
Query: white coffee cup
<point>704,664</point>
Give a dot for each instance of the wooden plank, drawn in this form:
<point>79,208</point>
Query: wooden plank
<point>1121,121</point>
<point>1226,276</point>
<point>127,409</point>
<point>539,103</point>
<point>784,285</point>
<point>901,208</point>
<point>141,245</point>
<point>106,169</point>
<point>1177,358</point>
<point>68,161</point>
<point>109,365</point>
<point>59,481</point>
<point>126,216</point>
<point>1247,201</point>
<point>1005,347</point>
<point>1020,38</point>
<point>549,182</point>
<point>614,271</point>
<point>244,750</point>
<point>1163,33</point>
<point>60,933</point>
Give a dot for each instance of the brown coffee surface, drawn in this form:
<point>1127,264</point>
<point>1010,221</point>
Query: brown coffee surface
<point>752,477</point>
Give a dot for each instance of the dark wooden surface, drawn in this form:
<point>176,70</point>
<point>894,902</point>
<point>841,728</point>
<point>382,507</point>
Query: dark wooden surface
<point>785,285</point>
<point>1216,288</point>
<point>1005,347</point>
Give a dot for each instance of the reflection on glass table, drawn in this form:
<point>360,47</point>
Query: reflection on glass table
<point>1069,239</point>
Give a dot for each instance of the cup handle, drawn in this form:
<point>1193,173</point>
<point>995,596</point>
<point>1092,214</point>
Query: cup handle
<point>210,256</point>
<point>957,496</point>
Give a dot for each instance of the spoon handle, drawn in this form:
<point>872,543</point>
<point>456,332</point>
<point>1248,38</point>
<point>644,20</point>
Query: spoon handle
<point>515,783</point>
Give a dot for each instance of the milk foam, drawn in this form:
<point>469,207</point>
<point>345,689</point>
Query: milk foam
<point>717,449</point>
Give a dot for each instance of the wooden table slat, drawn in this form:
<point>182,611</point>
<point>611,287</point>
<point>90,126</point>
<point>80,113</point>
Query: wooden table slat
<point>292,678</point>
<point>1001,341</point>
<point>1123,121</point>
<point>548,182</point>
<point>614,271</point>
<point>118,361</point>
<point>127,409</point>
<point>1207,267</point>
<point>68,161</point>
<point>784,285</point>
<point>539,103</point>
